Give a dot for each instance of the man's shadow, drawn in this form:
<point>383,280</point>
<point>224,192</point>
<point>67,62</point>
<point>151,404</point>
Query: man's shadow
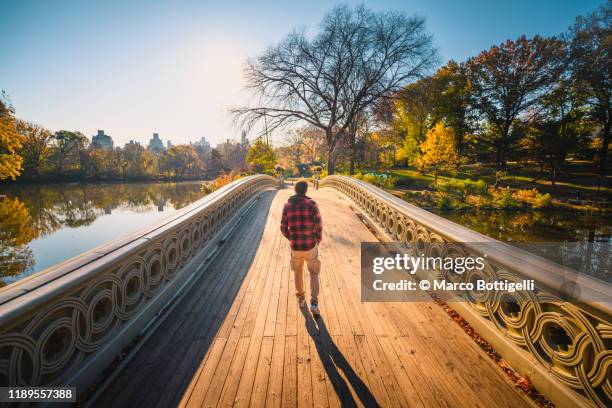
<point>333,360</point>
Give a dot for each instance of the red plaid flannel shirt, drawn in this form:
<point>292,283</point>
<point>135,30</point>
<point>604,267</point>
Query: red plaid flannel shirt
<point>301,223</point>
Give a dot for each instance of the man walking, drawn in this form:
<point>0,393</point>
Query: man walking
<point>301,225</point>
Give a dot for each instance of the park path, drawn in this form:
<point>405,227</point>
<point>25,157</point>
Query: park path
<point>239,338</point>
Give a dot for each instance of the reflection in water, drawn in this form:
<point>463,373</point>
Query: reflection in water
<point>41,225</point>
<point>581,241</point>
<point>535,226</point>
<point>15,232</point>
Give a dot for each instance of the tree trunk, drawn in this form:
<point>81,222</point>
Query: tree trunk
<point>331,162</point>
<point>553,175</point>
<point>603,152</point>
<point>353,152</point>
<point>498,155</point>
<point>501,147</point>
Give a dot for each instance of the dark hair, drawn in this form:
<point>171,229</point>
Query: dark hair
<point>301,187</point>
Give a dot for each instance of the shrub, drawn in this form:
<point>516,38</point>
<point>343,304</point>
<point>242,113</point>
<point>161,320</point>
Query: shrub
<point>525,196</point>
<point>358,176</point>
<point>478,187</point>
<point>404,181</point>
<point>444,202</point>
<point>380,180</point>
<point>542,200</point>
<point>370,178</point>
<point>500,176</point>
<point>484,201</point>
<point>389,182</point>
<point>222,180</point>
<point>206,188</point>
<point>505,200</point>
<point>408,195</point>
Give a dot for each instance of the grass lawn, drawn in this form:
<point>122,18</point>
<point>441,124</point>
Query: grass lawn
<point>576,187</point>
<point>576,179</point>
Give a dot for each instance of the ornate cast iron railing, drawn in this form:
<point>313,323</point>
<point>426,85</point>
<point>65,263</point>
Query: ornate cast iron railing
<point>65,325</point>
<point>570,342</point>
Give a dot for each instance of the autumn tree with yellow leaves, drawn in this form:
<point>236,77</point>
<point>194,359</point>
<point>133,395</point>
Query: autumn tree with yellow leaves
<point>438,150</point>
<point>10,142</point>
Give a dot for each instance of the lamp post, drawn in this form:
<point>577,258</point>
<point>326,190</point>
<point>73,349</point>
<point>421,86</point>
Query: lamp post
<point>317,176</point>
<point>279,174</point>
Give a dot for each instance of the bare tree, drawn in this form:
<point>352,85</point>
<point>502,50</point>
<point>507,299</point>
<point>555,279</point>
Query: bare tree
<point>308,140</point>
<point>358,57</point>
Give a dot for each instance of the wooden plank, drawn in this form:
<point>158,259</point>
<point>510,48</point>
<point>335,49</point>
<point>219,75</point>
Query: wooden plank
<point>224,388</point>
<point>262,375</point>
<point>243,340</point>
<point>365,367</point>
<point>275,387</point>
<point>304,379</point>
<point>217,383</point>
<point>260,315</point>
<point>317,371</point>
<point>377,320</point>
<point>290,373</point>
<point>204,381</point>
<point>230,384</point>
<point>185,350</point>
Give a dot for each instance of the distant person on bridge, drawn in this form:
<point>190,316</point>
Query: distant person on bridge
<point>301,224</point>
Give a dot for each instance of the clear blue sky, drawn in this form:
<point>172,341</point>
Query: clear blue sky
<point>174,67</point>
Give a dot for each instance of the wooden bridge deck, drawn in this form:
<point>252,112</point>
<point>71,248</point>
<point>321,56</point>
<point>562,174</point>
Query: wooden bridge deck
<point>239,338</point>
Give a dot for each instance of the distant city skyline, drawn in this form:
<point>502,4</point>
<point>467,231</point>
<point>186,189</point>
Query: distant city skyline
<point>174,68</point>
<point>105,141</point>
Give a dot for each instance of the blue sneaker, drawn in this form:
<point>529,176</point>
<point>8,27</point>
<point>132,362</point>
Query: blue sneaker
<point>314,309</point>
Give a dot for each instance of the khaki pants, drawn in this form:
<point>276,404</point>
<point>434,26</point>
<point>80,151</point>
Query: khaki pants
<point>311,257</point>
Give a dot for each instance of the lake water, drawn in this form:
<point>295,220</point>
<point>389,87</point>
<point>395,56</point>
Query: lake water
<point>42,225</point>
<point>535,226</point>
<point>579,240</point>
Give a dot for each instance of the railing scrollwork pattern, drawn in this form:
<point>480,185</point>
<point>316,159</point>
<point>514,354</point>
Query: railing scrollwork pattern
<point>55,325</point>
<point>573,342</point>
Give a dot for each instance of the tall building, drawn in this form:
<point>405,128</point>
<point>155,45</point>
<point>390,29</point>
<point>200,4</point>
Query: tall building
<point>155,144</point>
<point>203,143</point>
<point>169,144</point>
<point>102,141</point>
<point>131,144</point>
<point>243,138</point>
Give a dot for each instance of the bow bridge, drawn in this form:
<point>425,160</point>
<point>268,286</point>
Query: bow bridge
<point>198,310</point>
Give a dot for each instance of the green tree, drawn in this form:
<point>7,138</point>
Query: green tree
<point>95,163</point>
<point>214,165</point>
<point>509,79</point>
<point>261,158</point>
<point>412,115</point>
<point>65,146</point>
<point>453,100</point>
<point>591,40</point>
<point>141,162</point>
<point>120,162</point>
<point>35,148</point>
<point>10,142</point>
<point>439,149</point>
<point>557,129</point>
<point>179,160</point>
